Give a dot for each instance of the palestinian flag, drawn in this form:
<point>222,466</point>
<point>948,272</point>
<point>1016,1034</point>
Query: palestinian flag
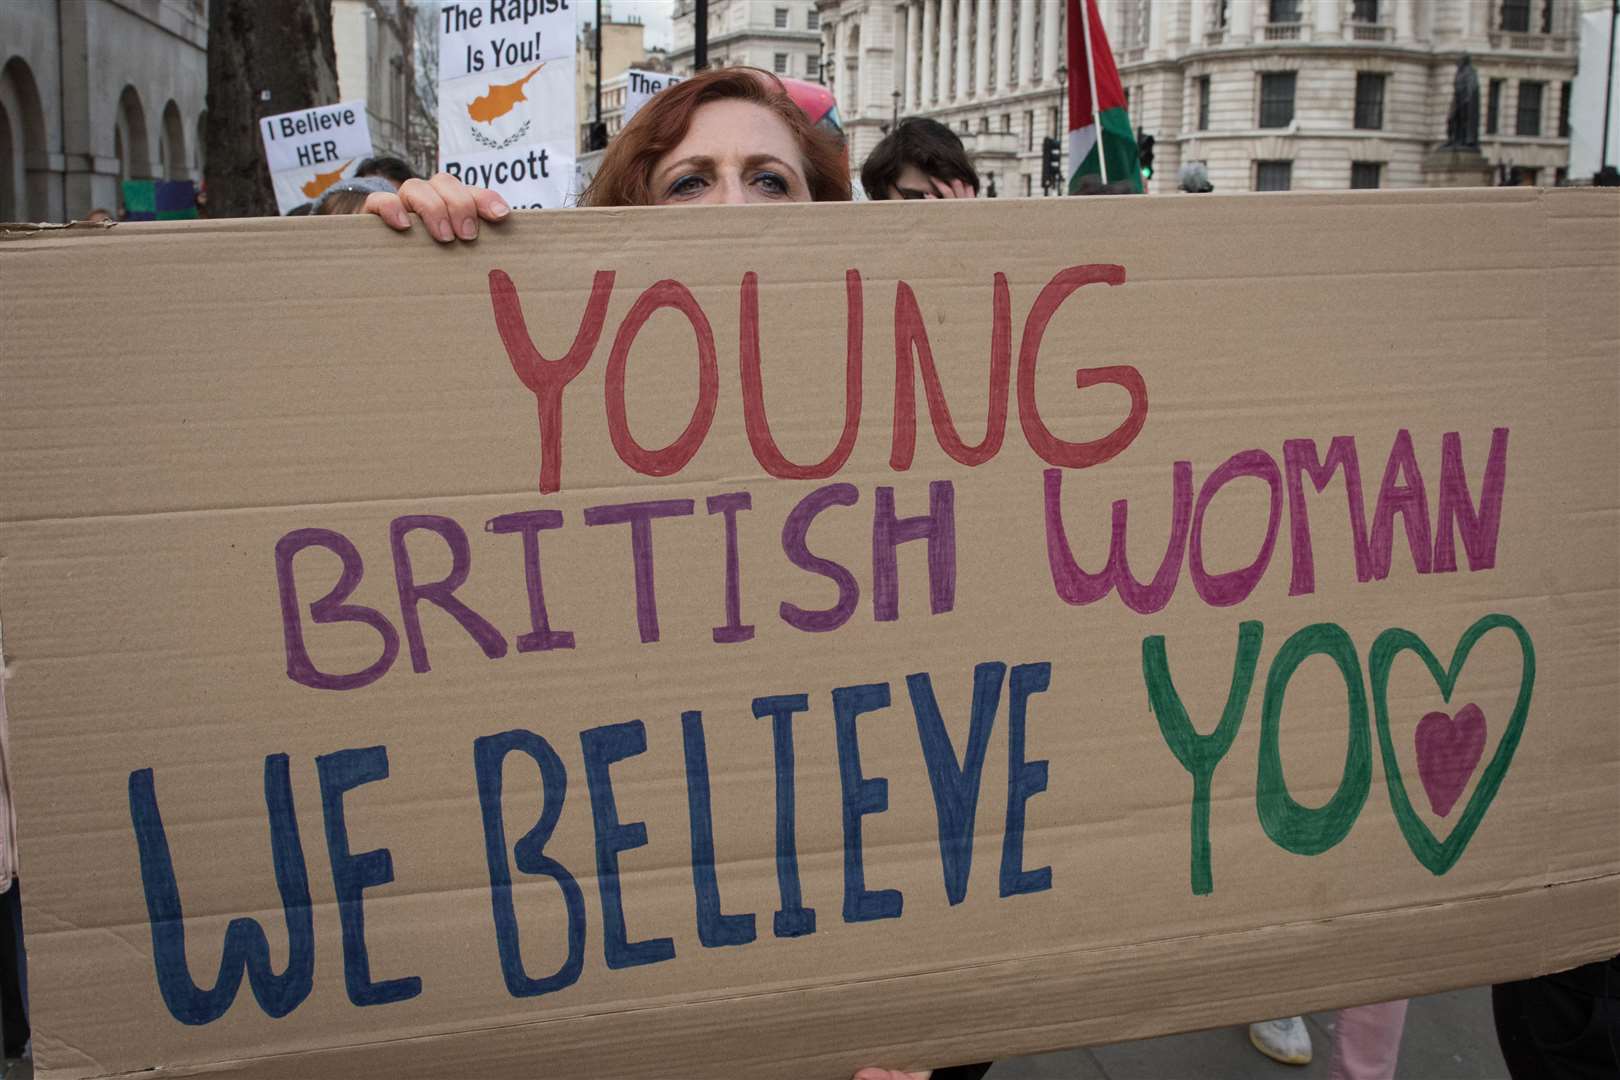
<point>1088,67</point>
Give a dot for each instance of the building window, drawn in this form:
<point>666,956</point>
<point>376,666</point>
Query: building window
<point>1529,177</point>
<point>781,18</point>
<point>1365,174</point>
<point>1006,122</point>
<point>1052,122</point>
<point>1546,16</point>
<point>1529,108</point>
<point>1029,132</point>
<point>1364,11</point>
<point>1563,111</point>
<point>1369,101</point>
<point>812,66</point>
<point>1273,175</point>
<point>1203,103</point>
<point>1220,14</point>
<point>984,123</point>
<point>1560,176</point>
<point>1029,185</point>
<point>780,63</point>
<point>1276,99</point>
<point>1286,11</point>
<point>1516,16</point>
<point>812,21</point>
<point>1493,108</point>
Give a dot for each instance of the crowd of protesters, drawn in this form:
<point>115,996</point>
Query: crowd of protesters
<point>734,136</point>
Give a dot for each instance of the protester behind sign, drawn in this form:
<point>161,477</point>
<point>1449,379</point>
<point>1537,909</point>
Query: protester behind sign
<point>1194,178</point>
<point>395,170</point>
<point>731,135</point>
<point>349,196</point>
<point>13,963</point>
<point>920,159</point>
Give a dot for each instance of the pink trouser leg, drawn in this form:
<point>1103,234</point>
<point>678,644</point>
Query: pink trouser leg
<point>1367,1040</point>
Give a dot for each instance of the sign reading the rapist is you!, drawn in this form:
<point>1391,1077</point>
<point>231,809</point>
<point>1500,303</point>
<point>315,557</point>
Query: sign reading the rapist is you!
<point>506,97</point>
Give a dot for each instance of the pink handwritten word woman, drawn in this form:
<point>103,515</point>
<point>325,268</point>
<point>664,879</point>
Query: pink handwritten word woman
<point>727,136</point>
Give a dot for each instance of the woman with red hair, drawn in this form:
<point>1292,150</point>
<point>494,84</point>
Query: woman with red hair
<point>732,135</point>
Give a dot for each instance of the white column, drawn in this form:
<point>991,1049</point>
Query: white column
<point>1195,28</point>
<point>1004,18</point>
<point>981,50</point>
<point>1404,28</point>
<point>925,55</point>
<point>1050,45</point>
<point>946,47</point>
<point>1240,20</point>
<point>1327,21</point>
<point>1158,24</point>
<point>1026,43</point>
<point>964,44</point>
<point>840,90</point>
<point>913,51</point>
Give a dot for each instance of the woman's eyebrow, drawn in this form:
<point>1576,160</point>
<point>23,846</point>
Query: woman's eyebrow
<point>698,160</point>
<point>755,160</point>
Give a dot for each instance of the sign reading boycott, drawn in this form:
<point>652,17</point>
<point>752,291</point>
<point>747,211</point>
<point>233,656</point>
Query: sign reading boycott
<point>506,97</point>
<point>310,150</point>
<point>616,650</point>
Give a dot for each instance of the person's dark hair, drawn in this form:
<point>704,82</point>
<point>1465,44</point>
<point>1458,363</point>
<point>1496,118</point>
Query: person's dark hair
<point>302,210</point>
<point>625,175</point>
<point>927,144</point>
<point>395,170</point>
<point>1091,184</point>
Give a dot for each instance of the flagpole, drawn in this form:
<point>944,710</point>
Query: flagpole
<point>1091,77</point>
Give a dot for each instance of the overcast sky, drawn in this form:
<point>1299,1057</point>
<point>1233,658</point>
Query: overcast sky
<point>655,13</point>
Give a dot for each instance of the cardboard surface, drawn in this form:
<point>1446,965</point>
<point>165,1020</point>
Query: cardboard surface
<point>336,393</point>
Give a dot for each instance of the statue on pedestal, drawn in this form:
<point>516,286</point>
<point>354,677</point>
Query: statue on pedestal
<point>1462,122</point>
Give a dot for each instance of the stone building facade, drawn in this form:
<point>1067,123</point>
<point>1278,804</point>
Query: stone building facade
<point>93,92</point>
<point>374,41</point>
<point>783,36</point>
<point>1267,94</point>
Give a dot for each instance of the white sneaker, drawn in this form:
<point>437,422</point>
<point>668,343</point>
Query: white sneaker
<point>1286,1040</point>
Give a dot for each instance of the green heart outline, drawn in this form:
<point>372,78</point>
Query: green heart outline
<point>1440,856</point>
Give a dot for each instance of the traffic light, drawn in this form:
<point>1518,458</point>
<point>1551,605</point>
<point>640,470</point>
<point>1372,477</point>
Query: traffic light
<point>1051,163</point>
<point>1144,154</point>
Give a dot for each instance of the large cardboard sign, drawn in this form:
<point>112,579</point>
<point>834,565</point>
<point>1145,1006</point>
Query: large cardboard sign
<point>310,150</point>
<point>616,649</point>
<point>506,97</point>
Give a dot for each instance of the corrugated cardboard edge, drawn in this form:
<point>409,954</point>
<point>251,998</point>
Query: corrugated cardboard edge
<point>1408,951</point>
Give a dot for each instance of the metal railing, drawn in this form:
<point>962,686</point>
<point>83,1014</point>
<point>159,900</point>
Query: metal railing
<point>1283,31</point>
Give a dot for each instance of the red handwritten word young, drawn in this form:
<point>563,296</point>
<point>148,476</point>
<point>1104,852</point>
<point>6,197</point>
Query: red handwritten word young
<point>547,379</point>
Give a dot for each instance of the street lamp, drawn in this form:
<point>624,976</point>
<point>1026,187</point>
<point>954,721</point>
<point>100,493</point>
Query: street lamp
<point>1062,132</point>
<point>894,119</point>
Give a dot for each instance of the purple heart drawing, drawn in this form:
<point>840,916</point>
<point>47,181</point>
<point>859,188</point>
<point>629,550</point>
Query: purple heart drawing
<point>1448,749</point>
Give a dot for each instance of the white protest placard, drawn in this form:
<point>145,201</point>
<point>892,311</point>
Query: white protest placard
<point>310,150</point>
<point>506,97</point>
<point>640,86</point>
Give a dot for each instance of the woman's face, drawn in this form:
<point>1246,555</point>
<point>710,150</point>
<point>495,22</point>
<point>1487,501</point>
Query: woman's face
<point>734,152</point>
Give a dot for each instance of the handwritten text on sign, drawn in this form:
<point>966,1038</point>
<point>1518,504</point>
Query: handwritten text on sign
<point>1434,514</point>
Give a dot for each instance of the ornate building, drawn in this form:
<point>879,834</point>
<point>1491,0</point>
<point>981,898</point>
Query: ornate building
<point>1268,94</point>
<point>95,93</point>
<point>777,35</point>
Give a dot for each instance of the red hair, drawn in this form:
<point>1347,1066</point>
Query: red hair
<point>625,176</point>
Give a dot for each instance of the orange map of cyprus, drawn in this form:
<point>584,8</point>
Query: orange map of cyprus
<point>500,100</point>
<point>324,180</point>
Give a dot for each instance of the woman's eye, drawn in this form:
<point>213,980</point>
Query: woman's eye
<point>772,182</point>
<point>687,185</point>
